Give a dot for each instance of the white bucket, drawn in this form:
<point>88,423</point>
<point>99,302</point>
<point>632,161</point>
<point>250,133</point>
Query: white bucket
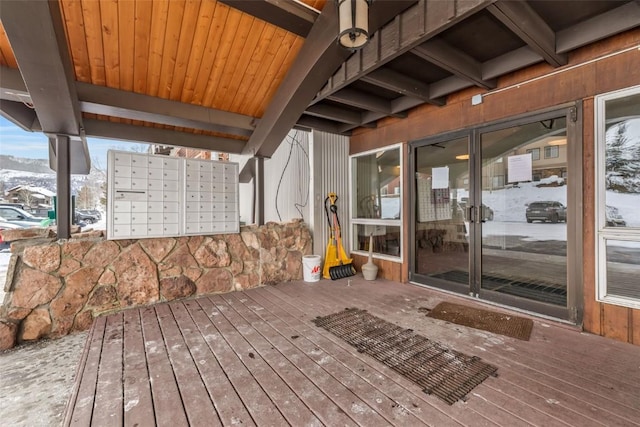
<point>311,268</point>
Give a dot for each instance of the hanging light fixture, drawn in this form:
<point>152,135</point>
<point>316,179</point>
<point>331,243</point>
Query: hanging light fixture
<point>354,23</point>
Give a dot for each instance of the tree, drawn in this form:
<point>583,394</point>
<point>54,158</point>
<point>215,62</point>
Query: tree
<point>615,161</point>
<point>26,197</point>
<point>85,199</point>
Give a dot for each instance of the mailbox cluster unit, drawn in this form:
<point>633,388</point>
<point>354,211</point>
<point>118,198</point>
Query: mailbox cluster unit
<point>161,196</point>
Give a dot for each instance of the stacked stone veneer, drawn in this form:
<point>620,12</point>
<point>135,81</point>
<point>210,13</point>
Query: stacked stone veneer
<point>56,287</point>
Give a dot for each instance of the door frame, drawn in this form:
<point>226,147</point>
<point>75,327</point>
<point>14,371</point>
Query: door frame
<point>573,312</point>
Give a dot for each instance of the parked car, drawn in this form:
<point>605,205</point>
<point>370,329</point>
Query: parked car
<point>614,219</point>
<point>546,211</point>
<point>22,217</point>
<point>86,217</point>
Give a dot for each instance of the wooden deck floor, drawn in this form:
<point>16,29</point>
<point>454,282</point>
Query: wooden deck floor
<point>255,358</point>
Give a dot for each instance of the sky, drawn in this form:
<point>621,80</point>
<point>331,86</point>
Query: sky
<point>33,145</point>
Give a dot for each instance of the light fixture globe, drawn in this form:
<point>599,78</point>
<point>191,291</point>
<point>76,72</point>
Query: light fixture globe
<point>354,23</point>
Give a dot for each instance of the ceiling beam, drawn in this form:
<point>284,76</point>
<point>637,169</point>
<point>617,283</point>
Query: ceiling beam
<point>453,60</point>
<point>18,113</point>
<point>522,20</point>
<point>318,123</point>
<point>295,17</point>
<point>118,103</point>
<point>400,83</point>
<point>410,28</point>
<point>151,135</point>
<point>318,59</point>
<point>334,113</point>
<point>364,101</point>
<point>510,61</point>
<point>615,21</point>
<point>44,62</point>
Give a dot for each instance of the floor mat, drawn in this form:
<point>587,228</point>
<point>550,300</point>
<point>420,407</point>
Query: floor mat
<point>491,321</point>
<point>535,290</point>
<point>446,373</point>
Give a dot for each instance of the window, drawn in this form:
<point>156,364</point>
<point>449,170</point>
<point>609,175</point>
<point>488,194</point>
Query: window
<point>535,153</point>
<point>376,201</point>
<point>618,197</point>
<point>551,152</point>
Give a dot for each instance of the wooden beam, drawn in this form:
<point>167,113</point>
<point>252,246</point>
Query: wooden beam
<point>615,21</point>
<point>320,124</point>
<point>119,103</point>
<point>295,17</point>
<point>510,61</point>
<point>36,33</point>
<point>400,83</point>
<point>364,101</point>
<point>521,19</point>
<point>318,59</point>
<point>334,113</point>
<point>453,60</point>
<point>126,132</point>
<point>419,23</point>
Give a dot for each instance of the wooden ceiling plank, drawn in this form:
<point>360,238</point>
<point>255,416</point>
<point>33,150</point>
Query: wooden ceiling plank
<point>127,40</point>
<point>249,104</point>
<point>615,21</point>
<point>142,42</point>
<point>218,23</point>
<point>185,47</point>
<point>231,70</point>
<point>170,51</point>
<point>77,41</point>
<point>522,20</point>
<point>445,56</point>
<point>221,57</point>
<point>110,42</point>
<point>290,54</point>
<point>93,39</point>
<point>254,66</point>
<point>159,20</point>
<point>198,50</point>
<point>152,135</point>
<point>289,15</point>
<point>249,49</point>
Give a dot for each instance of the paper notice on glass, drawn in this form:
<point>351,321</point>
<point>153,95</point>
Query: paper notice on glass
<point>520,168</point>
<point>440,177</point>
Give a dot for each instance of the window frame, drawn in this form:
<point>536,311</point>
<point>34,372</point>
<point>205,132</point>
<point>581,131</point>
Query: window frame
<point>603,232</point>
<point>549,150</point>
<point>354,221</point>
<point>534,150</point>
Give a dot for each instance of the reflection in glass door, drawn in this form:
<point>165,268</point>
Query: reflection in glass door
<point>491,208</point>
<point>523,212</point>
<point>441,245</point>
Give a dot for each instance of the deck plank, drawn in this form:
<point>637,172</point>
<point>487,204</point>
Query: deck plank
<point>87,378</point>
<point>108,408</point>
<point>138,403</point>
<point>255,358</point>
<point>260,313</point>
<point>261,408</point>
<point>579,397</point>
<point>197,404</point>
<point>228,404</point>
<point>167,400</point>
<point>267,365</point>
<point>329,393</point>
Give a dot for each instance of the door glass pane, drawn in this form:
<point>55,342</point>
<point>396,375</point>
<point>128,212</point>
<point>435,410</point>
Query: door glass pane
<point>442,188</point>
<point>523,211</point>
<point>622,164</point>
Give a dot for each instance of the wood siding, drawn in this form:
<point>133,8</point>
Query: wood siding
<point>592,70</point>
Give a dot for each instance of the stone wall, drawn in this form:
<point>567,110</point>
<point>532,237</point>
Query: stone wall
<point>57,287</point>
